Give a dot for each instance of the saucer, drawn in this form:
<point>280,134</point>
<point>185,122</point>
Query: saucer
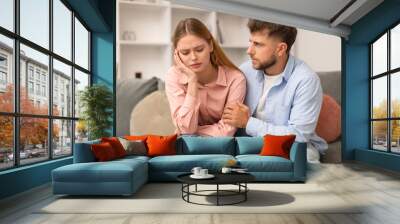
<point>208,176</point>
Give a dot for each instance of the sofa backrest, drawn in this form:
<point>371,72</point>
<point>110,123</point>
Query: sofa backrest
<point>249,145</point>
<point>83,152</point>
<point>192,145</point>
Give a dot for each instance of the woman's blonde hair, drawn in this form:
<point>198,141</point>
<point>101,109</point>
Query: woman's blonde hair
<point>196,27</point>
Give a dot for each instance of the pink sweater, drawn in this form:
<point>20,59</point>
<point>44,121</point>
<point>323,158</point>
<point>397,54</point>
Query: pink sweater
<point>203,115</point>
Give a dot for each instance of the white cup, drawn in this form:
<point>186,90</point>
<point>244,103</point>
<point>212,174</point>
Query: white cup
<point>226,170</point>
<point>203,172</point>
<point>196,170</point>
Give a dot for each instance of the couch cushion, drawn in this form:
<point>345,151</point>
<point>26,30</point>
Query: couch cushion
<point>195,145</point>
<point>329,120</point>
<point>152,115</point>
<point>133,158</point>
<point>257,163</point>
<point>249,145</point>
<point>129,92</point>
<point>275,145</point>
<point>103,152</point>
<point>111,171</point>
<point>116,145</point>
<point>184,163</point>
<point>161,145</point>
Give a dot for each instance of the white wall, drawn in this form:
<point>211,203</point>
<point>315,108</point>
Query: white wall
<point>322,52</point>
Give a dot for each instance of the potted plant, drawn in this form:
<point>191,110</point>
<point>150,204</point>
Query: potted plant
<point>96,102</point>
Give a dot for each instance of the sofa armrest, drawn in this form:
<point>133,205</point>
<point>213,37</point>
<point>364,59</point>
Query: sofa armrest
<point>83,152</point>
<point>298,155</point>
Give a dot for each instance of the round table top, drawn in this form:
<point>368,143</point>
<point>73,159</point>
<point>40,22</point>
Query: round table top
<point>220,178</point>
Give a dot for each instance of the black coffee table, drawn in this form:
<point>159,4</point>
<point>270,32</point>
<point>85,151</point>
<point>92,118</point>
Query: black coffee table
<point>238,179</point>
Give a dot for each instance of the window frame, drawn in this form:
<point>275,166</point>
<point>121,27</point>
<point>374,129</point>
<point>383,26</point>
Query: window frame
<point>16,114</point>
<point>388,74</point>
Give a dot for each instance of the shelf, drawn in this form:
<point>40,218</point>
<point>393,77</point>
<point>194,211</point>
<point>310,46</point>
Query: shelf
<point>178,7</point>
<point>142,43</point>
<point>150,49</point>
<point>144,4</point>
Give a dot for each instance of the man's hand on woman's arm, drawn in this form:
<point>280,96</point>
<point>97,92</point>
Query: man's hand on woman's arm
<point>236,114</point>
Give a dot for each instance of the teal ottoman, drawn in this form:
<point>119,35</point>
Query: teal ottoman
<point>118,177</point>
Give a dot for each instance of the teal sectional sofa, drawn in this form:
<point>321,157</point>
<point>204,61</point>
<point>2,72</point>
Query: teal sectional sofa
<point>125,176</point>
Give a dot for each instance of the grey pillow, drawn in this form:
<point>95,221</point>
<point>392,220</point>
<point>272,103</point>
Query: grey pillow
<point>129,93</point>
<point>137,148</point>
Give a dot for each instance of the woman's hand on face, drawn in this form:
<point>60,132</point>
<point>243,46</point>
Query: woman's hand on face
<point>192,77</point>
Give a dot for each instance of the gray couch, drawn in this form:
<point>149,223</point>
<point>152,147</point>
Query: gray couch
<point>144,104</point>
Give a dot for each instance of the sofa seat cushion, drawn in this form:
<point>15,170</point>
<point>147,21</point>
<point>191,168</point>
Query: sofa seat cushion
<point>133,158</point>
<point>257,163</point>
<point>111,171</point>
<point>185,163</point>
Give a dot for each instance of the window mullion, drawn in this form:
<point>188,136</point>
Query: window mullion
<point>16,84</point>
<point>389,106</point>
<point>371,99</point>
<point>73,82</point>
<point>50,81</point>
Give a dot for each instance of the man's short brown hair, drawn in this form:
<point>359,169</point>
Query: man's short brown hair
<point>286,34</point>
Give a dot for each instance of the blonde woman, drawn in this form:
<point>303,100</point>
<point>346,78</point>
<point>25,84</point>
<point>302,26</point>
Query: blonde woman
<point>202,82</point>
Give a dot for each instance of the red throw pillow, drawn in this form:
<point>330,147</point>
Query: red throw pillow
<point>277,145</point>
<point>103,151</point>
<point>329,121</point>
<point>161,145</point>
<point>116,145</point>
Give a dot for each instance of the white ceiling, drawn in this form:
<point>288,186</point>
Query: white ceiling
<point>321,9</point>
<point>316,15</point>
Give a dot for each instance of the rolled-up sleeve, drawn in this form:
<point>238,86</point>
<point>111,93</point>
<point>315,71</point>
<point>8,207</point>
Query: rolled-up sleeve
<point>237,92</point>
<point>184,107</point>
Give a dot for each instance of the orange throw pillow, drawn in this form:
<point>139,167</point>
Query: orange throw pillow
<point>277,145</point>
<point>116,145</point>
<point>103,151</point>
<point>135,137</point>
<point>329,121</point>
<point>161,145</point>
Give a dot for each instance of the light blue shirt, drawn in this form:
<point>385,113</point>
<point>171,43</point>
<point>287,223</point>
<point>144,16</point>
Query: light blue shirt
<point>292,105</point>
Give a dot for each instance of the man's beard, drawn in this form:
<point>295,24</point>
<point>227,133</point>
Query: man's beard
<point>267,64</point>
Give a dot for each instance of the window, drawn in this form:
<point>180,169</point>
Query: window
<point>30,87</point>
<point>62,31</point>
<point>3,78</point>
<point>35,22</point>
<point>37,74</point>
<point>38,89</point>
<point>45,131</point>
<point>44,91</point>
<point>81,45</point>
<point>385,94</point>
<point>30,72</point>
<point>3,61</point>
<point>7,14</point>
<point>3,72</point>
<point>6,73</point>
<point>62,74</point>
<point>81,81</point>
